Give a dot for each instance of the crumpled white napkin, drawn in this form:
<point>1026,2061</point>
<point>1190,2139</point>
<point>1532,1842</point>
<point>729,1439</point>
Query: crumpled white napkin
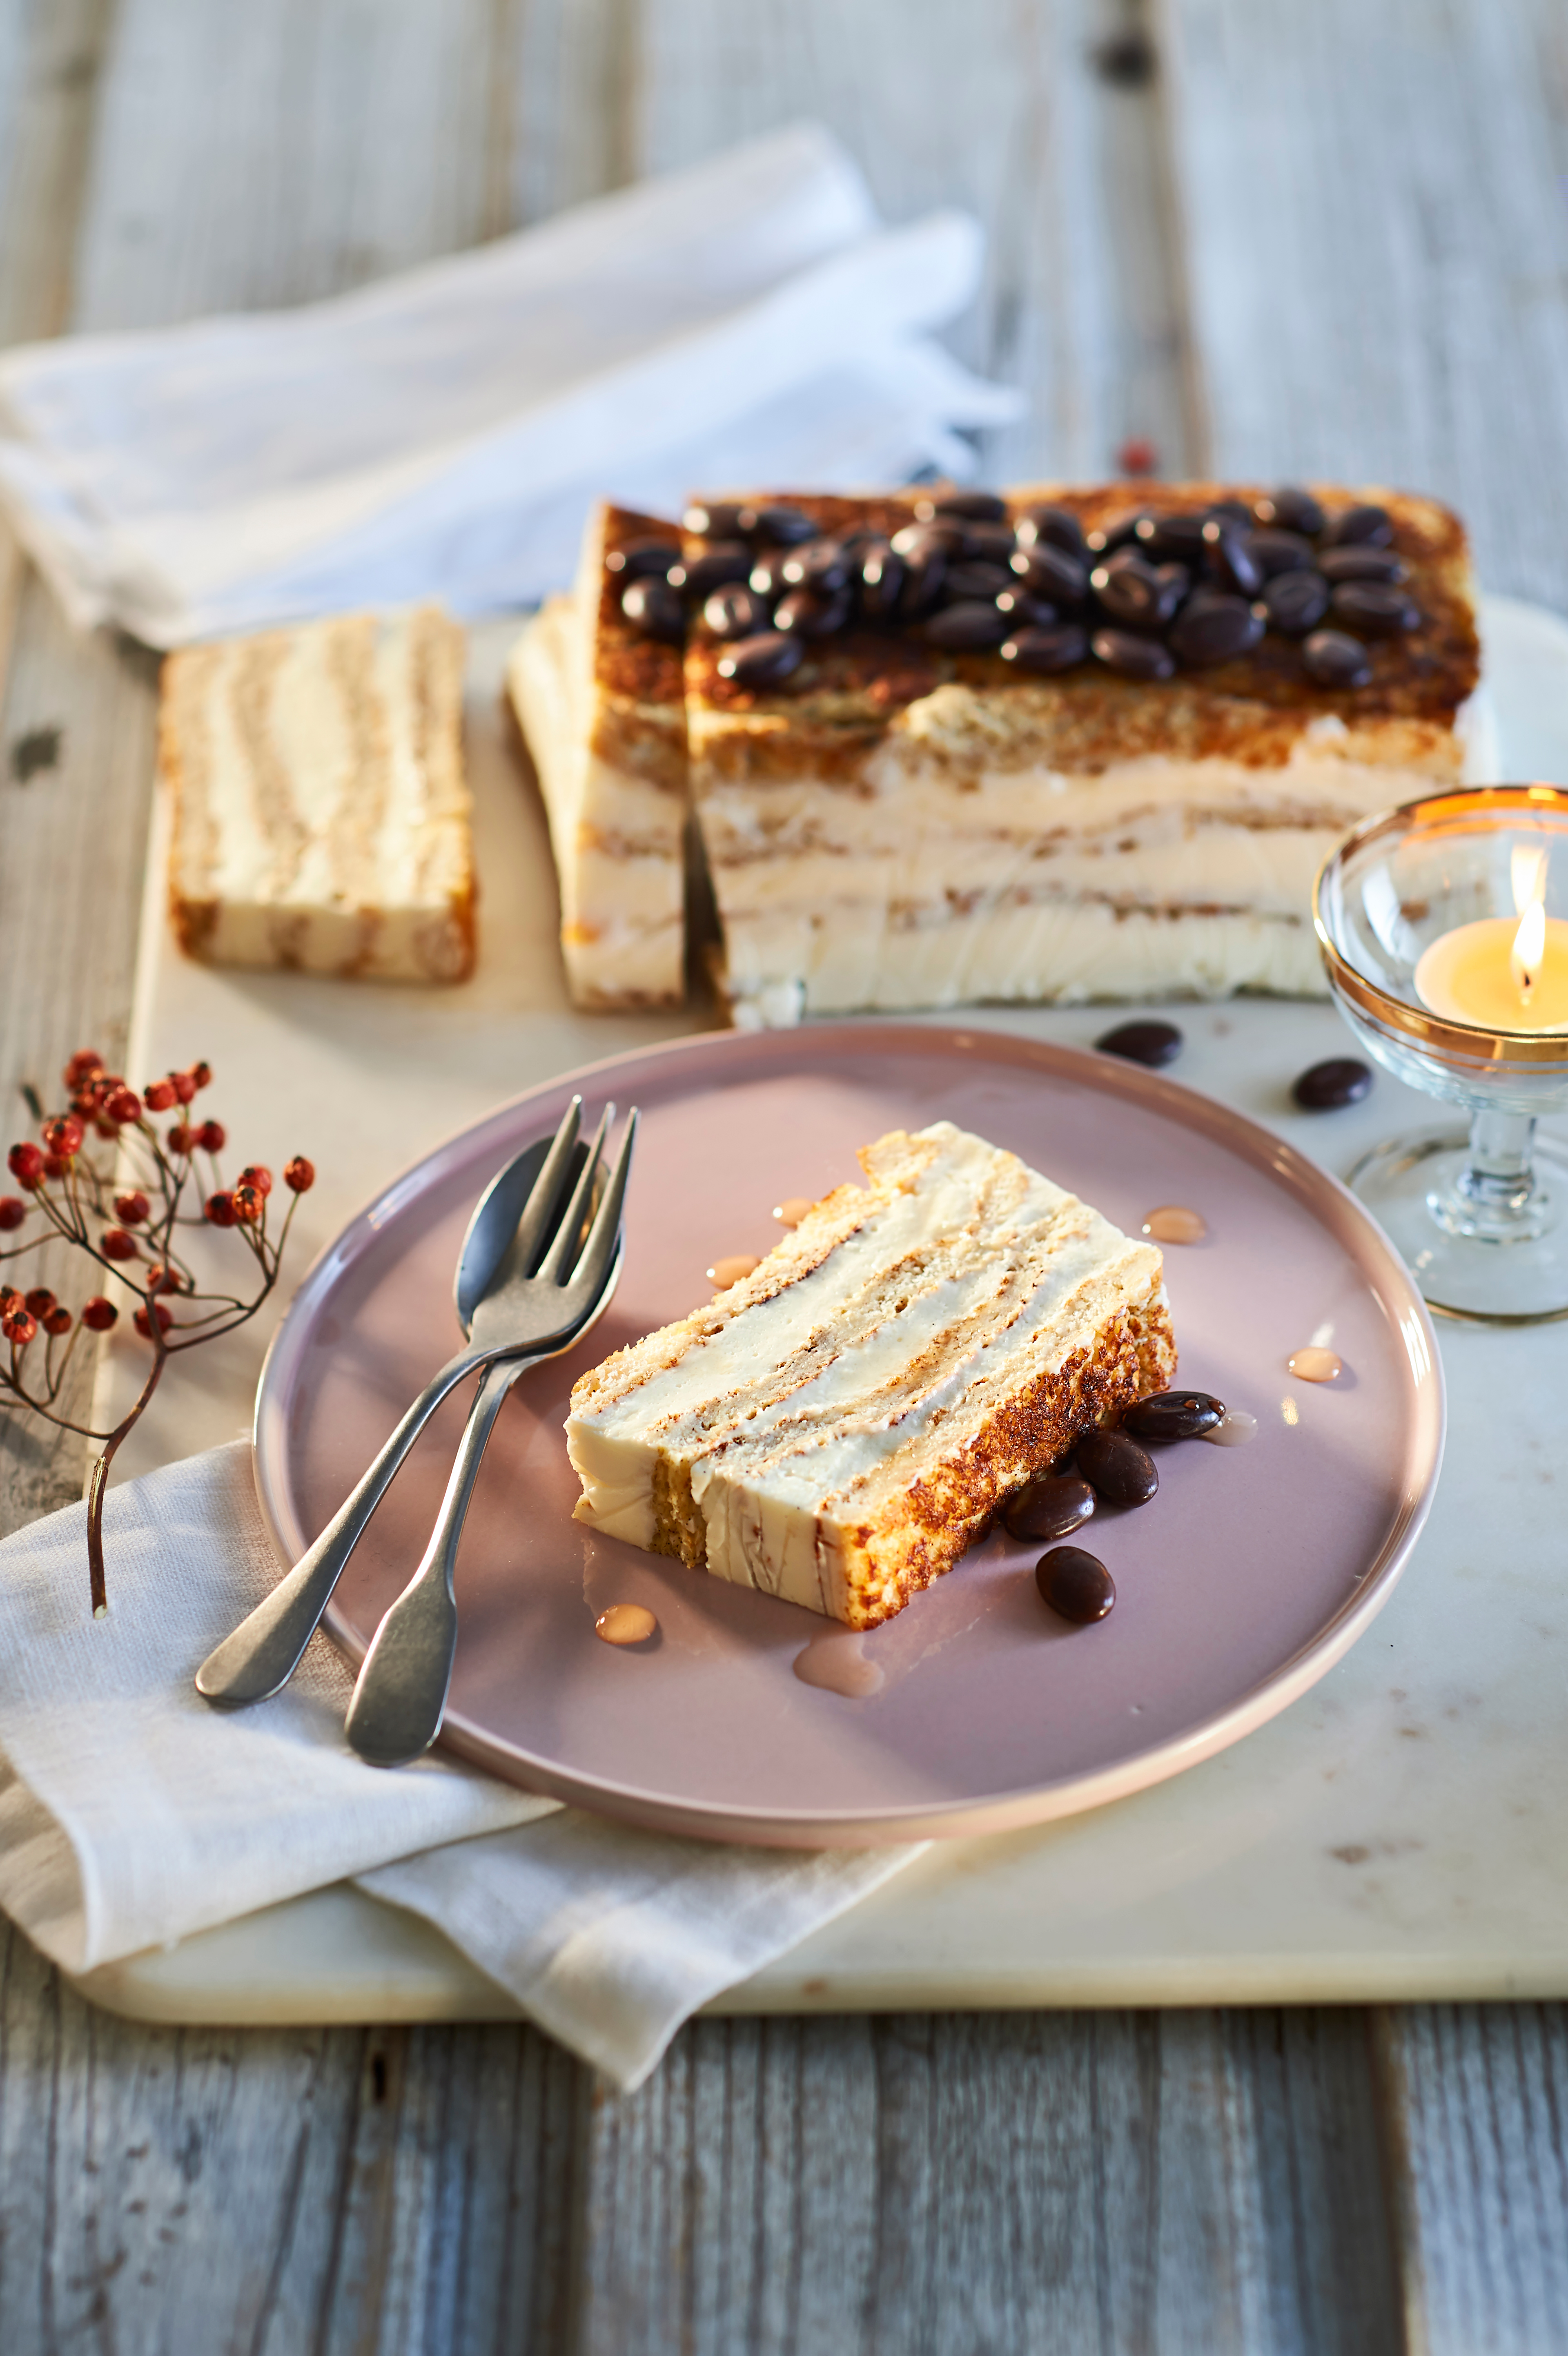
<point>442,434</point>
<point>132,1813</point>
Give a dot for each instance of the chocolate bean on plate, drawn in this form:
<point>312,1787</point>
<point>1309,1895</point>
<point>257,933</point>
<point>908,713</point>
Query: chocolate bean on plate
<point>1280,552</point>
<point>735,611</point>
<point>765,660</point>
<point>720,561</point>
<point>1052,526</point>
<point>970,626</point>
<point>1117,1468</point>
<point>1046,650</point>
<point>1335,660</point>
<point>715,519</point>
<point>1294,603</point>
<point>976,577</point>
<point>1173,1414</point>
<point>1324,1087</point>
<point>1133,656</point>
<point>818,565</point>
<point>1292,510</point>
<point>1232,558</point>
<point>1153,1044</point>
<point>640,556</point>
<point>881,581</point>
<point>1049,1507</point>
<point>1213,629</point>
<point>652,606</point>
<point>1076,1585</point>
<point>811,612</point>
<point>1361,563</point>
<point>1047,570</point>
<point>1359,527</point>
<point>977,506</point>
<point>784,527</point>
<point>1373,609</point>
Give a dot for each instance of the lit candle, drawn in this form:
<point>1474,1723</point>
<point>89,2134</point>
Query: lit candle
<point>1499,973</point>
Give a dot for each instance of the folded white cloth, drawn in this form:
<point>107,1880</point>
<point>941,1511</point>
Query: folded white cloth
<point>132,1813</point>
<point>442,434</point>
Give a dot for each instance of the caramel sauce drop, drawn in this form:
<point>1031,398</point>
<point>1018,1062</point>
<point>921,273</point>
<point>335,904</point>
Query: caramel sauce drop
<point>726,1272</point>
<point>1313,1366</point>
<point>1235,1427</point>
<point>1173,1223</point>
<point>837,1662</point>
<point>792,1209</point>
<point>625,1623</point>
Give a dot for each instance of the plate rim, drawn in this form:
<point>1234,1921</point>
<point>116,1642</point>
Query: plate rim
<point>1312,1185</point>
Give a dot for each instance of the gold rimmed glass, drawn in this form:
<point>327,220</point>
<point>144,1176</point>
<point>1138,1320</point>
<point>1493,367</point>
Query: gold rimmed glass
<point>1480,1216</point>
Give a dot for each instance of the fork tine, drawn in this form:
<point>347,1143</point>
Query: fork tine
<point>554,1267</point>
<point>537,1223</point>
<point>598,1249</point>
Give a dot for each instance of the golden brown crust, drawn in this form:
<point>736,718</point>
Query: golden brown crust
<point>840,705</point>
<point>638,720</point>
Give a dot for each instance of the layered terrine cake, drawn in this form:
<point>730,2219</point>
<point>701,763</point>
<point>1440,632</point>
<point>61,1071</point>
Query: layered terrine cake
<point>596,682</point>
<point>840,1425</point>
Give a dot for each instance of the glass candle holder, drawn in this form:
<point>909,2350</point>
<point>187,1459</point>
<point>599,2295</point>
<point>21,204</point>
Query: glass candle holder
<point>1477,1017</point>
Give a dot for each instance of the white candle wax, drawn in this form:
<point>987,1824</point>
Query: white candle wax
<point>1470,975</point>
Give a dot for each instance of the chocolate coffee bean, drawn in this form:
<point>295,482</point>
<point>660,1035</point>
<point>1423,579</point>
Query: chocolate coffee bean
<point>1076,1585</point>
<point>1120,533</point>
<point>1292,510</point>
<point>714,520</point>
<point>1231,511</point>
<point>1324,1087</point>
<point>1023,611</point>
<point>975,577</point>
<point>765,660</point>
<point>1213,629</point>
<point>1361,563</point>
<point>641,556</point>
<point>652,606</point>
<point>811,612</point>
<point>1048,571</point>
<point>881,582</point>
<point>1171,537</point>
<point>1373,609</point>
<point>720,561</point>
<point>979,506</point>
<point>1046,650</point>
<point>1296,603</point>
<point>1231,558</point>
<point>1359,527</point>
<point>784,527</point>
<point>1137,595</point>
<point>1132,655</point>
<point>1173,1414</point>
<point>735,611</point>
<point>766,575</point>
<point>818,565</point>
<point>1335,660</point>
<point>970,626</point>
<point>1052,527</point>
<point>1153,1044</point>
<point>1280,552</point>
<point>923,577</point>
<point>1117,1468</point>
<point>916,541</point>
<point>1048,1507</point>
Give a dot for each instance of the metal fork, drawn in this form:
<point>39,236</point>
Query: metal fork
<point>523,1313</point>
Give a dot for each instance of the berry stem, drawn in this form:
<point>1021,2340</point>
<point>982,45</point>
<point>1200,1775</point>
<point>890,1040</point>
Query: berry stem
<point>97,1481</point>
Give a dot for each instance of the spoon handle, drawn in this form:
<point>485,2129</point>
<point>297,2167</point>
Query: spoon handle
<point>400,1697</point>
<point>264,1650</point>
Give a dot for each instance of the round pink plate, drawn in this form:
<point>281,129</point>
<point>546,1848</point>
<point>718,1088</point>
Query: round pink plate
<point>1246,1578</point>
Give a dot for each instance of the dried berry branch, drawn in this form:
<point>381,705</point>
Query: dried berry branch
<point>123,1212</point>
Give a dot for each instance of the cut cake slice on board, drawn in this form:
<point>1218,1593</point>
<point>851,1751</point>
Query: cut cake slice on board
<point>839,1427</point>
<point>321,816</point>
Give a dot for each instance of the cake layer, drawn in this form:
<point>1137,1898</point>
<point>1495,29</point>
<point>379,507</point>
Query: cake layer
<point>321,817</point>
<point>837,1428</point>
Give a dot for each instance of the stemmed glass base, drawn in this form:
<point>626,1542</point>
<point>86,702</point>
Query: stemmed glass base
<point>1481,1221</point>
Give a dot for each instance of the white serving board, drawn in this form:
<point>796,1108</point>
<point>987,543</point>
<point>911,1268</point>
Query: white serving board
<point>1397,1833</point>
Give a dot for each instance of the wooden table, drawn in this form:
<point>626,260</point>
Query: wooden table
<point>1276,241</point>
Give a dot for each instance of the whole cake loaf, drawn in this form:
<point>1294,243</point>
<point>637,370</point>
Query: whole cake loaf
<point>840,1425</point>
<point>321,816</point>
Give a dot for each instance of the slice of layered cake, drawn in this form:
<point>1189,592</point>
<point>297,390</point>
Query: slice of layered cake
<point>321,815</point>
<point>839,1425</point>
<point>596,683</point>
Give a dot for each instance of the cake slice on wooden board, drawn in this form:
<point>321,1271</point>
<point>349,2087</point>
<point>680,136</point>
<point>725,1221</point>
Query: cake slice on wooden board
<point>602,707</point>
<point>1117,781</point>
<point>839,1425</point>
<point>321,815</point>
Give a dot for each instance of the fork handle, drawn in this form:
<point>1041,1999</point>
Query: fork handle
<point>400,1697</point>
<point>264,1650</point>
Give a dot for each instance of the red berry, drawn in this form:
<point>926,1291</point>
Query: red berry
<point>106,1128</point>
<point>1137,456</point>
<point>202,1075</point>
<point>257,1174</point>
<point>249,1205</point>
<point>117,1245</point>
<point>183,1086</point>
<point>300,1174</point>
<point>18,1328</point>
<point>84,1065</point>
<point>157,1096</point>
<point>41,1301</point>
<point>13,1211</point>
<point>131,1209</point>
<point>211,1137</point>
<point>55,1165</point>
<point>164,1279</point>
<point>99,1315</point>
<point>63,1136</point>
<point>182,1139</point>
<point>221,1210</point>
<point>57,1322</point>
<point>25,1163</point>
<point>143,1323</point>
<point>9,1298</point>
<point>123,1104</point>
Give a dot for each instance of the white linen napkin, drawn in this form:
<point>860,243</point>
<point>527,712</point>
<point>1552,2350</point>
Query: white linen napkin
<point>132,1813</point>
<point>442,433</point>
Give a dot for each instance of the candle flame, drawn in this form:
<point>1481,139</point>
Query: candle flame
<point>1529,945</point>
<point>1527,868</point>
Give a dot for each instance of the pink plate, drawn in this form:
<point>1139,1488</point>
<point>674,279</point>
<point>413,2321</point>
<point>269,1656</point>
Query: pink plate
<point>1248,1576</point>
